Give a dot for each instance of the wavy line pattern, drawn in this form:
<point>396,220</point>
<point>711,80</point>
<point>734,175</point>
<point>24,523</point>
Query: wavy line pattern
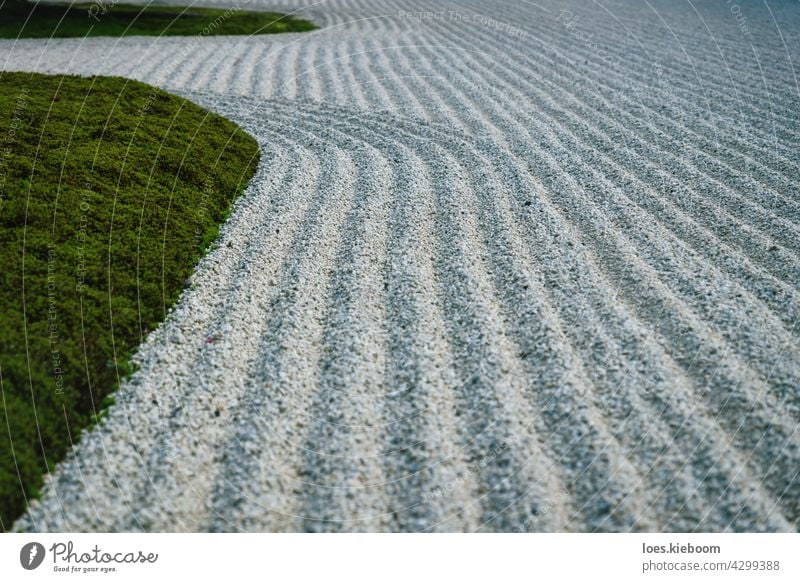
<point>511,266</point>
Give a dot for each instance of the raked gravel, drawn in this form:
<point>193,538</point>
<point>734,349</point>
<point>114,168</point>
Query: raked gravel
<point>504,266</point>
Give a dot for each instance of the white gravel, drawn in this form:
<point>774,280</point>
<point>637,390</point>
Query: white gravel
<point>510,266</point>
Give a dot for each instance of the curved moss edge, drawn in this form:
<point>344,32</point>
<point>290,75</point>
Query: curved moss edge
<point>22,19</point>
<point>110,192</point>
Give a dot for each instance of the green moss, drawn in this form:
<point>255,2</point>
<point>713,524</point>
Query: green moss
<point>110,190</point>
<point>104,18</point>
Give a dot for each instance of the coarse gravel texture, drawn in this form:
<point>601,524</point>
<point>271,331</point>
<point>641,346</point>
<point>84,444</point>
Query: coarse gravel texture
<point>510,266</point>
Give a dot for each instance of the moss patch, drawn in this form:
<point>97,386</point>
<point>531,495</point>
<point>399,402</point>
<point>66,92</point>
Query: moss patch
<point>104,18</point>
<point>110,191</point>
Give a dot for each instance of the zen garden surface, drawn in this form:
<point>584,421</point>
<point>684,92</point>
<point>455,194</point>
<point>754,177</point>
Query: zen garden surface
<point>508,266</point>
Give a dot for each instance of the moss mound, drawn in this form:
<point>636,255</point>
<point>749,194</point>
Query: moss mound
<point>107,18</point>
<point>110,191</point>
